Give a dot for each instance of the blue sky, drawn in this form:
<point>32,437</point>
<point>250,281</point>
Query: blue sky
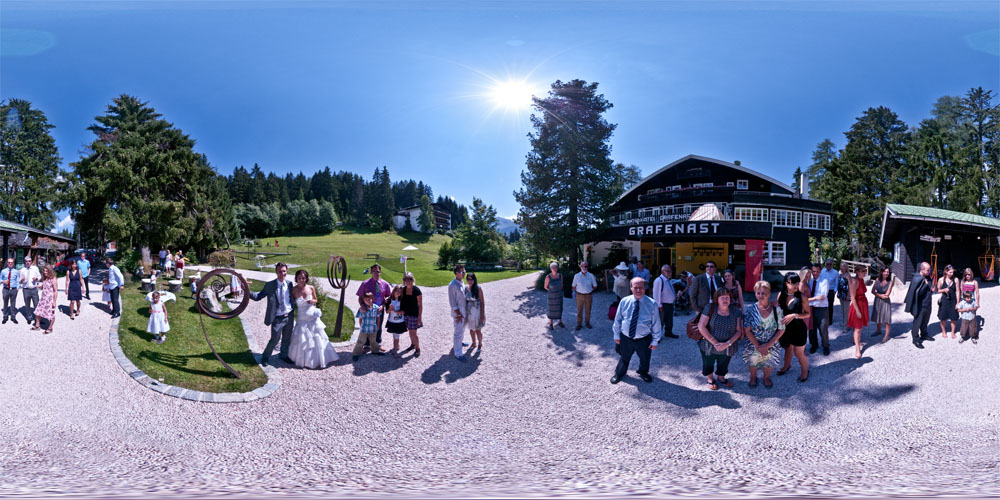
<point>296,86</point>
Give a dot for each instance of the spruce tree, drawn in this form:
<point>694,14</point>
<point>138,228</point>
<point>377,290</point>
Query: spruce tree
<point>29,166</point>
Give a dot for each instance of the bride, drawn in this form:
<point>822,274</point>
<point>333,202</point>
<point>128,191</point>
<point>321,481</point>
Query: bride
<point>310,347</point>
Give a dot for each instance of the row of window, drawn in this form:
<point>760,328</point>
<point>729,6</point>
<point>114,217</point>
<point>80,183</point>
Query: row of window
<point>774,253</point>
<point>783,218</point>
<point>743,184</point>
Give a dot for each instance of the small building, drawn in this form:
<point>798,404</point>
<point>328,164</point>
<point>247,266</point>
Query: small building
<point>442,218</point>
<point>942,237</point>
<point>18,240</point>
<point>698,209</point>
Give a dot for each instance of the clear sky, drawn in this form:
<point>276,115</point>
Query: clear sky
<point>296,86</point>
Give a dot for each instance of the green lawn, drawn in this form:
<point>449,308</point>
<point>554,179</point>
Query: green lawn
<point>313,252</point>
<point>184,359</point>
<point>329,308</point>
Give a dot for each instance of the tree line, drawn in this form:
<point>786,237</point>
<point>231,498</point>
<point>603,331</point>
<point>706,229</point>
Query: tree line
<point>949,160</point>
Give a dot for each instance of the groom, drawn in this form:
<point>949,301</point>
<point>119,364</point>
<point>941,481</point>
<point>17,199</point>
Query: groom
<point>280,307</point>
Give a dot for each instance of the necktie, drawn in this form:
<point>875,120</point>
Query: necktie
<point>711,286</point>
<point>634,323</point>
<point>813,292</point>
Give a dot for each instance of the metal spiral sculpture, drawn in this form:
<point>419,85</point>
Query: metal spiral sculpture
<point>336,274</point>
<point>213,291</point>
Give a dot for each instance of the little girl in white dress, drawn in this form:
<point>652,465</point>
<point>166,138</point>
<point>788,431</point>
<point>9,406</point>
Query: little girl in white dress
<point>158,324</point>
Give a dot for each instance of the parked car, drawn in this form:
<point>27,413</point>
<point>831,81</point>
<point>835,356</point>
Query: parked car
<point>63,265</point>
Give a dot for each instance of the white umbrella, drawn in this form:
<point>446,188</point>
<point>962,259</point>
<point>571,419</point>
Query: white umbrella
<point>404,258</point>
<point>410,247</point>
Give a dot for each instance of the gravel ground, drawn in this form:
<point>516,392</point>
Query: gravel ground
<point>531,414</point>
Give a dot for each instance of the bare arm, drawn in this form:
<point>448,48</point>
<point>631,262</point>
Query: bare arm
<point>853,287</point>
<point>546,282</point>
<point>420,308</point>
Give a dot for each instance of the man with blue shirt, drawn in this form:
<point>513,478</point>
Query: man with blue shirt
<point>637,330</point>
<point>831,277</point>
<point>84,266</point>
<point>9,279</point>
<point>116,280</point>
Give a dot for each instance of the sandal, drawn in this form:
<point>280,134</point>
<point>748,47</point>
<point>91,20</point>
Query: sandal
<point>724,381</point>
<point>884,340</point>
<point>768,384</point>
<point>783,371</point>
<point>752,383</point>
<point>35,328</point>
<point>46,332</point>
<point>803,379</point>
<point>713,386</point>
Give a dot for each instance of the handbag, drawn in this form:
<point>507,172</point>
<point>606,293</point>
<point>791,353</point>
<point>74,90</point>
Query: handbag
<point>692,325</point>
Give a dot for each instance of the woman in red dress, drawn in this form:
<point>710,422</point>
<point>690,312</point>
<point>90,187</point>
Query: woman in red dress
<point>857,316</point>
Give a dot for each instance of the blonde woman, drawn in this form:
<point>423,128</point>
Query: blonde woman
<point>763,327</point>
<point>857,319</point>
<point>49,297</point>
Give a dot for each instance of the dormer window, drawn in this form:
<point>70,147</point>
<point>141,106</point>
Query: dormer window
<point>743,184</point>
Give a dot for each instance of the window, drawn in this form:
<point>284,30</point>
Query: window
<point>675,188</point>
<point>774,253</point>
<point>742,184</point>
<point>729,184</point>
<point>750,214</point>
<point>702,185</point>
<point>895,253</point>
<point>786,218</point>
<point>816,221</point>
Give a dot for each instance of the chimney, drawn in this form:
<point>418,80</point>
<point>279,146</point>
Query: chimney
<point>804,186</point>
<point>736,162</point>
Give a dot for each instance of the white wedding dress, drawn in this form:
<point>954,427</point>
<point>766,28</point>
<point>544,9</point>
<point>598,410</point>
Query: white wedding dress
<point>310,347</point>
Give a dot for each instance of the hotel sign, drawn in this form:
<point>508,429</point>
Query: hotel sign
<point>692,229</point>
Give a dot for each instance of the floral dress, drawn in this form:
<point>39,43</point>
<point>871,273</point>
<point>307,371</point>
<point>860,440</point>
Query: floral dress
<point>47,304</point>
<point>762,329</point>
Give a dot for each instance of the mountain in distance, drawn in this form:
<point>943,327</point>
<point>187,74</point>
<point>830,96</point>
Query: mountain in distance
<point>506,225</point>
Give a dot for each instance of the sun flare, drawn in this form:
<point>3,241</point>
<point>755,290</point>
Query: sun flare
<point>512,95</point>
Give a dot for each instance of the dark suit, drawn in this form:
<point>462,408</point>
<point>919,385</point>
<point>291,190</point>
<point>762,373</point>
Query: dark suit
<point>918,303</point>
<point>281,326</point>
<point>701,291</point>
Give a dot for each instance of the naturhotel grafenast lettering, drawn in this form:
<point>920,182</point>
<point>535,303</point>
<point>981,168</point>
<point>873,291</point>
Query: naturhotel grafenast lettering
<point>703,228</point>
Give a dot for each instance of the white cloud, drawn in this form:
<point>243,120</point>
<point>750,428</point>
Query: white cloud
<point>65,223</point>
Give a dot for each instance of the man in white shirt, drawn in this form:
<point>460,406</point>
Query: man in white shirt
<point>820,303</point>
<point>664,296</point>
<point>831,277</point>
<point>115,281</point>
<point>584,284</point>
<point>30,276</point>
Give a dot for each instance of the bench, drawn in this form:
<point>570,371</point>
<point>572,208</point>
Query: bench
<point>372,256</point>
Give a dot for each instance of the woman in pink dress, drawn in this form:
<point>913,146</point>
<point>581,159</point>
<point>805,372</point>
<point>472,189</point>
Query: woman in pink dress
<point>857,315</point>
<point>47,302</point>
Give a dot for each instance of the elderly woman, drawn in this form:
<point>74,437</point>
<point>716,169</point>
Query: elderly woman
<point>621,286</point>
<point>719,330</point>
<point>763,327</point>
<point>794,309</point>
<point>554,285</point>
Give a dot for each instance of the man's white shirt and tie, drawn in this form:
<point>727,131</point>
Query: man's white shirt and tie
<point>664,297</point>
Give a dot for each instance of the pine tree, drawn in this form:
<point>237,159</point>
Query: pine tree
<point>570,180</point>
<point>29,166</point>
<point>426,220</point>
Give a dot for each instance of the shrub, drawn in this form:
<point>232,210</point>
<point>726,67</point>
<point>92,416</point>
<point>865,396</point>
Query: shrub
<point>222,258</point>
<point>320,295</point>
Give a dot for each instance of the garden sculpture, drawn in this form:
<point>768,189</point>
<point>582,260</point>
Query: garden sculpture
<point>214,291</point>
<point>336,273</point>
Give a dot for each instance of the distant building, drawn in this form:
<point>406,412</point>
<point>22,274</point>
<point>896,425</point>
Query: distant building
<point>698,209</point>
<point>17,239</point>
<point>941,237</point>
<point>442,218</point>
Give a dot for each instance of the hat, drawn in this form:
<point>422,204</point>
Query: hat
<point>622,267</point>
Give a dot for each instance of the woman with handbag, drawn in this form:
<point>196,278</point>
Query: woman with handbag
<point>720,329</point>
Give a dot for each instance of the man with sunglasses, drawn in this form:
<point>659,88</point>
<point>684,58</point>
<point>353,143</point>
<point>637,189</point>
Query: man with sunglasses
<point>703,287</point>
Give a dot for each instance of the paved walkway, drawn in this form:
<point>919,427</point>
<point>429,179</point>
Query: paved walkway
<point>531,414</point>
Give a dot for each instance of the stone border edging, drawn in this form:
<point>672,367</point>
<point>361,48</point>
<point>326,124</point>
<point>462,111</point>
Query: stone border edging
<point>272,385</point>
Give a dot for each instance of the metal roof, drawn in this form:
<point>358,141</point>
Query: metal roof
<point>8,226</point>
<point>913,212</point>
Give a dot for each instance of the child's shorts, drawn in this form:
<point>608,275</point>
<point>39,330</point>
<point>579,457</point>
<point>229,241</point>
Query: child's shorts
<point>970,328</point>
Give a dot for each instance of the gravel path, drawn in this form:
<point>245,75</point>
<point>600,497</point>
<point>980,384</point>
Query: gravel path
<point>531,414</point>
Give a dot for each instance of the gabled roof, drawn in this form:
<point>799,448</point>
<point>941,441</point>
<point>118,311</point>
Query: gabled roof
<point>709,160</point>
<point>913,212</point>
<point>8,226</point>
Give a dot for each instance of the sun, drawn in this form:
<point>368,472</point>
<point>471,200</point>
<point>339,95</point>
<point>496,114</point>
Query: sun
<point>512,95</point>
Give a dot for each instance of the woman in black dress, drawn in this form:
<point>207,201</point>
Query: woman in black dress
<point>74,289</point>
<point>947,307</point>
<point>795,311</point>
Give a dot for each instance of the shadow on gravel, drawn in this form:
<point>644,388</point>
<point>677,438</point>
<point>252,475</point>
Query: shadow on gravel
<point>451,369</point>
<point>369,363</point>
<point>681,396</point>
<point>534,304</point>
<point>825,392</point>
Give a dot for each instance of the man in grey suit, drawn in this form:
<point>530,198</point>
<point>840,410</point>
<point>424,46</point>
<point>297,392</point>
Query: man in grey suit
<point>704,286</point>
<point>280,312</point>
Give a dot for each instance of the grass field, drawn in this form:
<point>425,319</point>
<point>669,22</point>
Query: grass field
<point>184,359</point>
<point>313,252</point>
<point>329,308</point>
